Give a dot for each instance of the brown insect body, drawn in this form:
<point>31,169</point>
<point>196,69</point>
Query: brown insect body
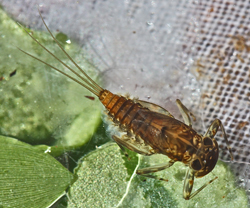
<point>150,129</point>
<point>154,132</point>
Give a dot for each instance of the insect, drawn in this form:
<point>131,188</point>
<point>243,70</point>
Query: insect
<point>150,129</point>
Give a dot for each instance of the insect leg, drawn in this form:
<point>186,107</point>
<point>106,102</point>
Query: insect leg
<point>145,171</point>
<point>123,150</point>
<point>154,107</point>
<point>125,141</point>
<point>188,185</point>
<point>185,113</point>
<point>212,130</point>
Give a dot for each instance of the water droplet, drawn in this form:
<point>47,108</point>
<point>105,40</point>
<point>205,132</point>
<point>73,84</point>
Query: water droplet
<point>150,23</point>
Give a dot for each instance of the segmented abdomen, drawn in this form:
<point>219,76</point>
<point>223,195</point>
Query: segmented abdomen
<point>121,109</point>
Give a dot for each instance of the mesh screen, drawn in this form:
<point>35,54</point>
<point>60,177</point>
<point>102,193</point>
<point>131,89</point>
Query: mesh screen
<point>222,68</point>
<point>203,47</point>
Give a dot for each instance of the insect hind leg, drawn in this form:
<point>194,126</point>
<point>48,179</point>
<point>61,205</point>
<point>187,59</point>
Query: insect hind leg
<point>185,113</point>
<point>123,150</point>
<point>152,169</point>
<point>212,130</point>
<point>154,107</point>
<point>130,143</point>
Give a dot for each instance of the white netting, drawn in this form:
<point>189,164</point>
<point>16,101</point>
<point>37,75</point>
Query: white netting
<point>222,67</point>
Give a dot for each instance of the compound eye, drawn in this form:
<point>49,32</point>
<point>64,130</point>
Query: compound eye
<point>207,141</point>
<point>196,165</point>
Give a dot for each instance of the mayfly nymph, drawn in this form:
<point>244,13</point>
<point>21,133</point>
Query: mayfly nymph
<point>150,129</point>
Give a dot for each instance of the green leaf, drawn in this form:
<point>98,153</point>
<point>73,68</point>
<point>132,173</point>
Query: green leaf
<point>103,181</point>
<point>29,178</point>
<point>83,126</point>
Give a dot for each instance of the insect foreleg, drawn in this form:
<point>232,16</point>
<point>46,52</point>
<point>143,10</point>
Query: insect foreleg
<point>212,130</point>
<point>188,185</point>
<point>185,113</point>
<point>153,169</point>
